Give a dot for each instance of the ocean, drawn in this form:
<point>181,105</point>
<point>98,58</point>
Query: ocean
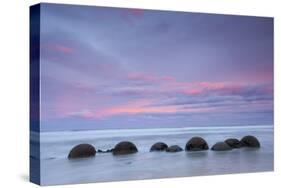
<point>57,169</point>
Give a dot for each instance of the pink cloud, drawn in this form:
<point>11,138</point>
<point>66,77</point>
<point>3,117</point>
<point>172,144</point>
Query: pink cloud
<point>212,85</point>
<point>131,15</point>
<point>260,76</point>
<point>168,84</point>
<point>203,88</point>
<point>148,77</point>
<point>141,77</point>
<point>59,48</point>
<point>257,75</point>
<point>168,78</point>
<point>137,107</point>
<point>193,91</point>
<point>135,12</point>
<point>72,103</point>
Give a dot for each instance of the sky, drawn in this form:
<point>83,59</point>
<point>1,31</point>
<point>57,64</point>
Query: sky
<point>112,68</point>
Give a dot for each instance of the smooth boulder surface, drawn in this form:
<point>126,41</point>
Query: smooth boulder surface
<point>221,146</point>
<point>123,148</point>
<point>233,142</point>
<point>159,146</point>
<point>196,144</point>
<point>81,151</point>
<point>250,141</point>
<point>174,148</point>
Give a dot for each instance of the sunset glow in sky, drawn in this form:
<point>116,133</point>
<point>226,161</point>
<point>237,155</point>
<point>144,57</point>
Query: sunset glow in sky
<point>107,68</point>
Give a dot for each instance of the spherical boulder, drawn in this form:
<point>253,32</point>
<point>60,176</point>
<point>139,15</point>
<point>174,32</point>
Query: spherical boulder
<point>250,141</point>
<point>221,146</point>
<point>123,148</point>
<point>159,146</point>
<point>233,142</point>
<point>174,148</point>
<point>81,151</point>
<point>196,144</point>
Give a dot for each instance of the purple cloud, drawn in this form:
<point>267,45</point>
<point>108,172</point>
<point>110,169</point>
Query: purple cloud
<point>102,66</point>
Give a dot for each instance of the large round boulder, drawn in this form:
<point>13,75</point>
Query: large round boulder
<point>250,141</point>
<point>123,148</point>
<point>159,146</point>
<point>174,148</point>
<point>81,151</point>
<point>196,144</point>
<point>233,142</point>
<point>221,146</point>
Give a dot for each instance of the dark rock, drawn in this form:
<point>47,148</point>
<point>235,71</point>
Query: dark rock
<point>109,150</point>
<point>174,148</point>
<point>250,141</point>
<point>233,142</point>
<point>124,148</point>
<point>81,151</point>
<point>159,146</point>
<point>221,146</point>
<point>196,144</point>
<point>105,151</point>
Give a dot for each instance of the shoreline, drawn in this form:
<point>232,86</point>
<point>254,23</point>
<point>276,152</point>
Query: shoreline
<point>170,128</point>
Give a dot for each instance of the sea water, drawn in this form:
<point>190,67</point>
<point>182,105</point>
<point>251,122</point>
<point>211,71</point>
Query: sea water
<point>57,169</point>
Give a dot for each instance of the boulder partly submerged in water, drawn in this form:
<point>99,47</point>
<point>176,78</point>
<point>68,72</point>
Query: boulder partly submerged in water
<point>250,141</point>
<point>233,142</point>
<point>174,148</point>
<point>105,151</point>
<point>159,146</point>
<point>221,146</point>
<point>82,151</point>
<point>124,147</point>
<point>196,144</point>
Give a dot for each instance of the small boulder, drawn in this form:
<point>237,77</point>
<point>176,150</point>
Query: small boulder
<point>124,148</point>
<point>109,150</point>
<point>105,151</point>
<point>159,146</point>
<point>174,148</point>
<point>233,142</point>
<point>81,151</point>
<point>250,141</point>
<point>221,146</point>
<point>196,144</point>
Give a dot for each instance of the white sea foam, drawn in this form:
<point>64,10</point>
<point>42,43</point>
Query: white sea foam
<point>109,133</point>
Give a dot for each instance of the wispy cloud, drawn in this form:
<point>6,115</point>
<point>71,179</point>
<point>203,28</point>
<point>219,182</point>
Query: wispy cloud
<point>109,65</point>
<point>157,94</point>
<point>58,47</point>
